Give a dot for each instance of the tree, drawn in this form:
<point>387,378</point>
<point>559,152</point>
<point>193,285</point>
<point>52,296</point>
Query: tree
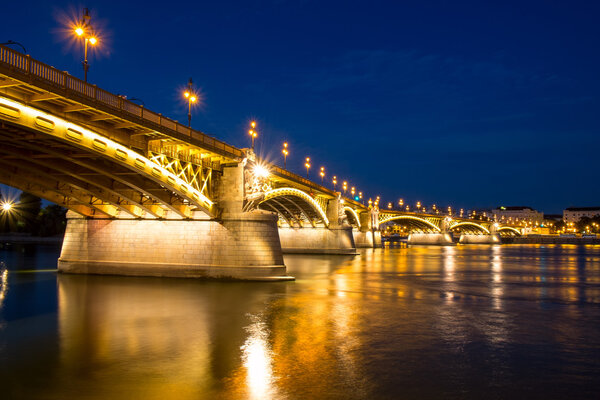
<point>52,220</point>
<point>28,209</point>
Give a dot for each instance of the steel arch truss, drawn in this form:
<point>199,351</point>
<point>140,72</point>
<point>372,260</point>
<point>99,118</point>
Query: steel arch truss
<point>469,227</point>
<point>90,173</point>
<point>507,230</point>
<point>295,207</point>
<point>352,216</point>
<point>412,220</point>
<point>194,175</point>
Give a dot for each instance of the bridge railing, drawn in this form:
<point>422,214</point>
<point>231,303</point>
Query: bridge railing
<point>61,82</point>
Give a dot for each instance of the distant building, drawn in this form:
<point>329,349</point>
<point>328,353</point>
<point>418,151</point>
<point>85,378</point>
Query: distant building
<point>574,214</point>
<point>518,214</point>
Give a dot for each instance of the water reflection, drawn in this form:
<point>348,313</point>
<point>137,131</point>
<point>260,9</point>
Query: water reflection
<point>257,361</point>
<point>3,283</point>
<point>418,322</point>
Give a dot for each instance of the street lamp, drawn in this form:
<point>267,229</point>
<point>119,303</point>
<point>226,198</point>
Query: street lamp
<point>345,187</point>
<point>7,206</point>
<point>334,182</point>
<point>307,165</point>
<point>191,98</point>
<point>285,154</point>
<point>12,42</point>
<point>252,132</point>
<point>352,191</point>
<point>84,30</point>
<point>322,173</point>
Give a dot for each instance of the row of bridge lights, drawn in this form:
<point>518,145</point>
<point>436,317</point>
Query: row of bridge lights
<point>252,132</point>
<point>353,192</point>
<point>85,31</point>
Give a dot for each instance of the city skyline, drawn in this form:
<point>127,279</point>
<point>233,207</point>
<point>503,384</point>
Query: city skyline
<point>455,105</point>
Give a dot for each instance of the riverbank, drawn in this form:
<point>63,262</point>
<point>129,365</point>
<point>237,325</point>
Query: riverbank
<point>19,239</point>
<point>549,239</point>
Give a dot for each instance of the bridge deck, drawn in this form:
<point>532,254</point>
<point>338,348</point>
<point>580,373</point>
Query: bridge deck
<point>26,79</point>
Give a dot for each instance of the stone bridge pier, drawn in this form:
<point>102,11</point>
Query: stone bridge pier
<point>368,235</point>
<point>233,244</point>
<point>337,238</point>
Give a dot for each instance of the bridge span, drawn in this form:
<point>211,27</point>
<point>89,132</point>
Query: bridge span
<point>149,196</point>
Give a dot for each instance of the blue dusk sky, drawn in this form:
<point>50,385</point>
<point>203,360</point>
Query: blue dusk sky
<point>470,104</point>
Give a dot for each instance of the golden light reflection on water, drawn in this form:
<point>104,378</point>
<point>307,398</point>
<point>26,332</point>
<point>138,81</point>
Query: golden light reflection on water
<point>3,284</point>
<point>257,361</point>
<point>348,327</point>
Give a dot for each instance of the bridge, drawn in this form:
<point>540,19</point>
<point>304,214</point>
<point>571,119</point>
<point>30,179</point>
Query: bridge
<point>149,196</point>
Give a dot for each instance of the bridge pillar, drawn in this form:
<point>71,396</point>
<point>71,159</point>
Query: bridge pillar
<point>466,238</point>
<point>335,239</point>
<point>237,245</point>
<point>368,236</point>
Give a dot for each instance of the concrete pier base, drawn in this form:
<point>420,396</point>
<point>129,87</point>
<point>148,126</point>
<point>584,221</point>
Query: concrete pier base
<point>317,240</point>
<point>245,248</point>
<point>479,239</point>
<point>363,240</point>
<point>377,238</point>
<point>440,239</point>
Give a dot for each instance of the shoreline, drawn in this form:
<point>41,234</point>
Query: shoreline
<point>24,239</point>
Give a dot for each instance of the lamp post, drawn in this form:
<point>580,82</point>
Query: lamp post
<point>191,98</point>
<point>345,187</point>
<point>322,173</point>
<point>285,153</point>
<point>352,191</point>
<point>252,132</point>
<point>12,42</point>
<point>307,165</point>
<point>84,30</point>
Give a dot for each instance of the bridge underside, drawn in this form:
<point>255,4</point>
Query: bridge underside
<point>413,225</point>
<point>86,182</point>
<point>294,211</point>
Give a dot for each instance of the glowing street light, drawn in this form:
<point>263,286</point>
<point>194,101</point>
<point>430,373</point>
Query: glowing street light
<point>390,205</point>
<point>334,182</point>
<point>252,132</point>
<point>285,154</point>
<point>307,165</point>
<point>191,98</point>
<point>352,191</point>
<point>345,187</point>
<point>84,30</point>
<point>322,173</point>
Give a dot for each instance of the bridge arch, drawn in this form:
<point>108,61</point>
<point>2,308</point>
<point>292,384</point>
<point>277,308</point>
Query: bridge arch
<point>352,216</point>
<point>414,219</point>
<point>509,229</point>
<point>87,172</point>
<point>294,206</point>
<point>470,224</point>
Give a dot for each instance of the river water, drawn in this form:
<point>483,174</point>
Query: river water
<point>465,322</point>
